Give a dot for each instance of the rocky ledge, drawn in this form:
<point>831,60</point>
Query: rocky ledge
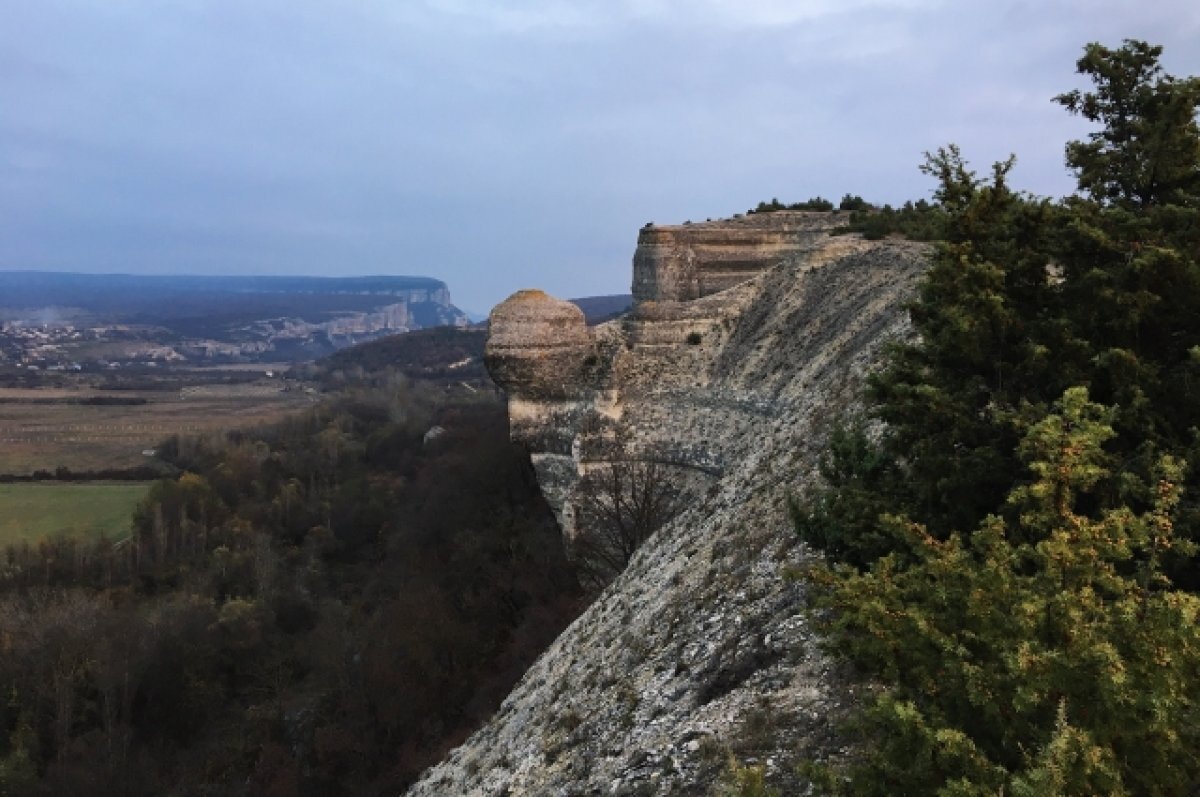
<point>701,648</point>
<point>689,261</point>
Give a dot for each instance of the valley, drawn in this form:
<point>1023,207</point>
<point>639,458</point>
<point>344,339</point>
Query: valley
<point>74,426</point>
<point>98,370</point>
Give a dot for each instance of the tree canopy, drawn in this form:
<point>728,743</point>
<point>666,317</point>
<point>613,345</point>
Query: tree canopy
<point>1012,550</point>
<point>1147,147</point>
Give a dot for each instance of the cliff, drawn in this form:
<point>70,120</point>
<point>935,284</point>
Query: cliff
<point>747,338</point>
<point>690,261</point>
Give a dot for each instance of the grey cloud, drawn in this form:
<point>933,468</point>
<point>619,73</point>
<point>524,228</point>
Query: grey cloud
<point>500,146</point>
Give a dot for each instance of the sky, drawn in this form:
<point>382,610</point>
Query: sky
<point>501,145</point>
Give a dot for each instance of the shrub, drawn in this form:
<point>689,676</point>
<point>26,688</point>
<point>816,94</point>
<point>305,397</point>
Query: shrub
<point>746,780</point>
<point>1035,650</point>
<point>853,202</point>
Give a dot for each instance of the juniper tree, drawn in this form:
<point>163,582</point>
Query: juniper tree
<point>1022,574</point>
<point>1047,654</point>
<point>1146,150</point>
<point>1027,297</point>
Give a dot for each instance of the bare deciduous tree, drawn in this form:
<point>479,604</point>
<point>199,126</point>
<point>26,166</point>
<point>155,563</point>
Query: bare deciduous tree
<point>618,506</point>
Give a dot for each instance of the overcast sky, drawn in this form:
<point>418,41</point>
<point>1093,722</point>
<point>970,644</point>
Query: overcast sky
<point>500,145</point>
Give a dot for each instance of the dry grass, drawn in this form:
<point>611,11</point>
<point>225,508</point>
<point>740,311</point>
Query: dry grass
<point>87,437</point>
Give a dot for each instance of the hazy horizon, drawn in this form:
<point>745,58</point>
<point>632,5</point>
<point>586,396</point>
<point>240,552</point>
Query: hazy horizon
<point>502,147</point>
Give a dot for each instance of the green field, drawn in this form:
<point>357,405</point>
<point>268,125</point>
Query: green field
<point>34,511</point>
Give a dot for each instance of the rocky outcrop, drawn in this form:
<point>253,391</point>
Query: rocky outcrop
<point>701,646</point>
<point>538,345</point>
<point>690,261</point>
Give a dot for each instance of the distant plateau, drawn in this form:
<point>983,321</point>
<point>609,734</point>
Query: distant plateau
<point>64,321</point>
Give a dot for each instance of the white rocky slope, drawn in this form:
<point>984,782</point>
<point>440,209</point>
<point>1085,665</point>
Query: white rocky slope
<point>701,647</point>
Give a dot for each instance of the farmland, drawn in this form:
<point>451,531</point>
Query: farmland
<point>64,436</point>
<point>43,429</point>
<point>33,511</point>
<point>72,427</point>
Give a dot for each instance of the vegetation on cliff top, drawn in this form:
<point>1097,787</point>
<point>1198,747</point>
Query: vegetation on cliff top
<point>1015,548</point>
<point>917,221</point>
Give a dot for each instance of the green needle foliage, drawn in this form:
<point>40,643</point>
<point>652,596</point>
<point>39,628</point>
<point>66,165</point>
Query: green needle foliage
<point>1013,555</point>
<point>1146,151</point>
<point>1044,655</point>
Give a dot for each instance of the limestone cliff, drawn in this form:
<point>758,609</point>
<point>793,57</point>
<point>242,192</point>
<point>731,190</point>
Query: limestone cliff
<point>738,353</point>
<point>689,261</point>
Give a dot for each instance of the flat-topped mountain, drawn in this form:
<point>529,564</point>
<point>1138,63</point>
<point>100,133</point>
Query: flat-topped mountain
<point>159,317</point>
<point>129,294</point>
<point>603,308</point>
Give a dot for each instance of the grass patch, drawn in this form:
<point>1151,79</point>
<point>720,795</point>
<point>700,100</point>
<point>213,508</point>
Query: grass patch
<point>31,512</point>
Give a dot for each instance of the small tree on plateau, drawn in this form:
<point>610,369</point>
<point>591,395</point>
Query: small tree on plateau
<point>1147,150</point>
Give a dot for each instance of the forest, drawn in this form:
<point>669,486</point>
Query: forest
<point>324,605</point>
<point>1011,525</point>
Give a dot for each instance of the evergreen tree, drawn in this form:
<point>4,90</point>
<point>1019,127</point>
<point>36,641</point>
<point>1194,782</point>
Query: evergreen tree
<point>1148,146</point>
<point>1048,654</point>
<point>1130,254</point>
<point>1018,560</point>
<point>1026,297</point>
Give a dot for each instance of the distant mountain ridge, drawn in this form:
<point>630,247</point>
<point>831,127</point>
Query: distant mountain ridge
<point>225,317</point>
<point>448,354</point>
<point>28,289</point>
<point>602,308</point>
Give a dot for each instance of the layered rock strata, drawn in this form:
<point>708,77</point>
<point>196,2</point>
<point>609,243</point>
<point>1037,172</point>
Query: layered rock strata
<point>701,646</point>
<point>540,348</point>
<point>690,261</point>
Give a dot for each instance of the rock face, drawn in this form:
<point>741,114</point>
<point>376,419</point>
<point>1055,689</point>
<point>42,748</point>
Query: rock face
<point>690,261</point>
<point>701,646</point>
<point>537,345</point>
<point>540,348</point>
